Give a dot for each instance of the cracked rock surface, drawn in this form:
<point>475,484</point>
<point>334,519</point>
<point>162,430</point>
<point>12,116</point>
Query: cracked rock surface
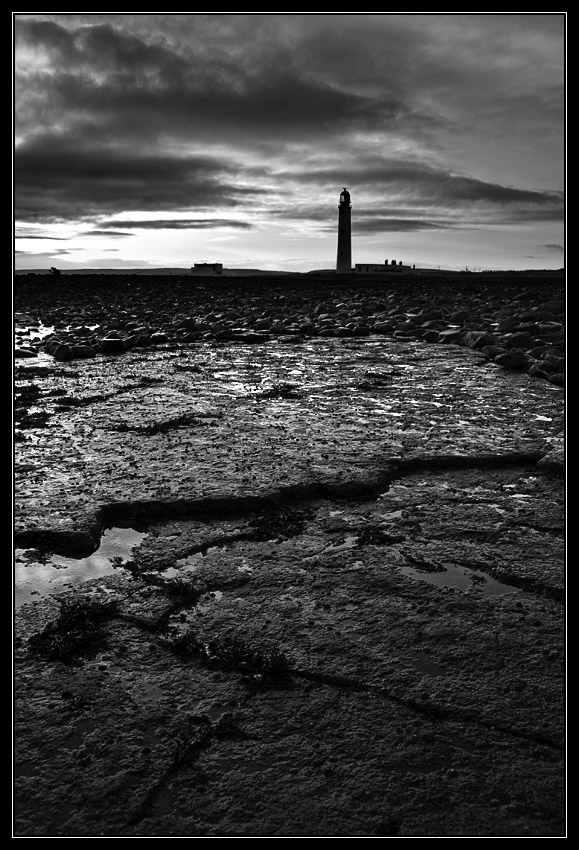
<point>345,617</point>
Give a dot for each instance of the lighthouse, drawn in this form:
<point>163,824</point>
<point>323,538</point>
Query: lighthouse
<point>344,263</point>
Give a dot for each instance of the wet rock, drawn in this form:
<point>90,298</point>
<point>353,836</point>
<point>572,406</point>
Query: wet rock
<point>507,325</point>
<point>450,336</point>
<point>111,345</point>
<point>479,339</point>
<point>557,378</point>
<point>515,359</point>
<point>529,327</point>
<point>519,339</point>
<point>82,351</point>
<point>460,316</point>
<point>383,327</point>
<point>248,336</point>
<point>25,352</point>
<point>553,362</point>
<point>61,351</point>
<point>263,324</point>
<point>535,371</point>
<point>556,306</point>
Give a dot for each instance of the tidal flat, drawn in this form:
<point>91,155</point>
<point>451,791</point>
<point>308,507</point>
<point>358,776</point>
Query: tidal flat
<point>340,610</point>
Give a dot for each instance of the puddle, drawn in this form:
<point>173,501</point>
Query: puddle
<point>191,563</point>
<point>207,601</point>
<point>349,543</point>
<point>461,578</point>
<point>36,581</point>
<point>216,711</point>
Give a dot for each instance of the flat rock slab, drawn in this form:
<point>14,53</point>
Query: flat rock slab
<point>182,430</point>
<point>345,617</point>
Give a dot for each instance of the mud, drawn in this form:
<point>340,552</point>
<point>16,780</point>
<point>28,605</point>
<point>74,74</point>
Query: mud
<point>345,616</point>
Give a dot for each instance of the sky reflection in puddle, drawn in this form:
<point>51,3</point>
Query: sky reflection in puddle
<point>36,581</point>
<point>461,578</point>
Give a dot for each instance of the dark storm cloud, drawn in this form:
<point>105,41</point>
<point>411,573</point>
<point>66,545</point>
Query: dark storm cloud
<point>56,181</point>
<point>110,85</point>
<point>394,225</point>
<point>431,185</point>
<point>180,224</point>
<point>235,119</point>
<point>439,194</point>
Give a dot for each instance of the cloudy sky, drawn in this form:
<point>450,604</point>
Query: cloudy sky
<point>161,140</point>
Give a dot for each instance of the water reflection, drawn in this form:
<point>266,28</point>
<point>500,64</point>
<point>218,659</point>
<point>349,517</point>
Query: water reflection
<point>35,580</point>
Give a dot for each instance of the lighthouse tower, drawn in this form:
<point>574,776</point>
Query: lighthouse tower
<point>344,263</point>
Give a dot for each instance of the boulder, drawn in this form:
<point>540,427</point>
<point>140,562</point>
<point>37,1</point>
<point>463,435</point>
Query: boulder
<point>557,378</point>
<point>111,345</point>
<point>81,351</point>
<point>514,359</point>
<point>519,339</point>
<point>382,328</point>
<point>535,371</point>
<point>61,351</point>
<point>479,339</point>
<point>450,336</point>
<point>24,352</point>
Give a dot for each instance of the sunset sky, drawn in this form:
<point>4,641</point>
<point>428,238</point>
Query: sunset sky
<point>164,140</point>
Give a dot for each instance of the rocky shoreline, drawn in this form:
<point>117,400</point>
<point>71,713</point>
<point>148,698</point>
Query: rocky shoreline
<point>518,327</point>
<point>346,615</point>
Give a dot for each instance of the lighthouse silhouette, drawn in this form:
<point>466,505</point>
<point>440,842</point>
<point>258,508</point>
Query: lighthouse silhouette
<point>344,263</point>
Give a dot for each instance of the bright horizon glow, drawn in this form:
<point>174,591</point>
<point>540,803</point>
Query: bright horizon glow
<point>161,141</point>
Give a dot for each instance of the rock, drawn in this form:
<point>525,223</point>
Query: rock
<point>515,359</point>
<point>518,339</point>
<point>479,339</point>
<point>188,324</point>
<point>529,327</point>
<point>556,306</point>
<point>111,345</point>
<point>61,351</point>
<point>460,316</point>
<point>535,371</point>
<point>507,325</point>
<point>553,363</point>
<point>82,351</point>
<point>24,352</point>
<point>450,336</point>
<point>383,328</point>
<point>249,336</point>
<point>263,324</point>
<point>430,336</point>
<point>492,351</point>
<point>557,378</point>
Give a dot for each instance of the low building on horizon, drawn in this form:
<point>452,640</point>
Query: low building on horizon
<point>207,269</point>
<point>377,268</point>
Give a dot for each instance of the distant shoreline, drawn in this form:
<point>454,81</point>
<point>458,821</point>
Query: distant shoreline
<point>183,272</point>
